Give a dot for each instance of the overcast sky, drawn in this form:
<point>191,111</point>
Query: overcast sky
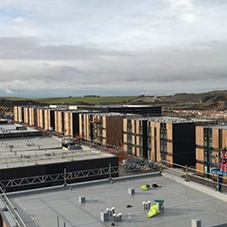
<point>112,47</point>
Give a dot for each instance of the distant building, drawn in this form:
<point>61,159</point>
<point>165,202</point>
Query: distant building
<point>143,110</point>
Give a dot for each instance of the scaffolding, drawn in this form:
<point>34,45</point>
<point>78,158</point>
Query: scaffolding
<point>216,161</point>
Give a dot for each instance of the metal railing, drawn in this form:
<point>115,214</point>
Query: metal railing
<point>11,209</point>
<point>61,177</point>
<point>51,155</point>
<point>192,174</point>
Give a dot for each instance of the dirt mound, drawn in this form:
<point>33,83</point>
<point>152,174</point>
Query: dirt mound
<point>222,106</point>
<point>214,99</point>
<point>184,97</point>
<point>210,97</point>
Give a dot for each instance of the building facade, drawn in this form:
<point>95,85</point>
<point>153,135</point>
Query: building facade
<point>26,115</point>
<point>135,137</point>
<point>161,139</point>
<point>59,121</point>
<point>49,116</point>
<point>71,123</point>
<point>104,129</point>
<point>210,140</point>
<point>15,114</point>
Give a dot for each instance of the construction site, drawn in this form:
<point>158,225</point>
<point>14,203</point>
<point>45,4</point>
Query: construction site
<point>78,173</point>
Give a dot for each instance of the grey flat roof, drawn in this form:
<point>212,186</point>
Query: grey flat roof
<point>182,203</point>
<point>220,126</point>
<point>11,128</point>
<point>119,106</point>
<point>41,150</point>
<point>106,114</point>
<point>172,120</point>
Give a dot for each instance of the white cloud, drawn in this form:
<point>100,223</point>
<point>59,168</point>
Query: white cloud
<point>19,19</point>
<point>181,4</point>
<point>8,91</point>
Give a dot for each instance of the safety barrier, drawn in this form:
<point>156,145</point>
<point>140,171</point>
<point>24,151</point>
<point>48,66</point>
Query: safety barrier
<point>191,174</point>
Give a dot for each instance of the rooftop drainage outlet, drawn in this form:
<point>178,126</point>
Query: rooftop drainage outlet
<point>128,206</point>
<point>155,186</point>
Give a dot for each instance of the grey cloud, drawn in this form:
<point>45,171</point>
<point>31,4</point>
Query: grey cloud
<point>29,49</point>
<point>161,67</point>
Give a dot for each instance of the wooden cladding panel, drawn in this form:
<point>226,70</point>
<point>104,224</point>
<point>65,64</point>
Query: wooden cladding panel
<point>47,119</point>
<point>199,154</point>
<point>170,147</point>
<point>199,169</point>
<point>169,128</point>
<point>114,133</point>
<point>125,138</point>
<point>215,138</point>
<point>15,112</point>
<point>104,122</point>
<point>26,115</point>
<point>133,126</point>
<point>125,124</point>
<point>224,138</point>
<point>199,136</point>
<point>20,110</point>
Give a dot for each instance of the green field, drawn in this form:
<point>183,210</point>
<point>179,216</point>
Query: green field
<point>89,100</point>
<point>14,98</point>
<point>82,100</point>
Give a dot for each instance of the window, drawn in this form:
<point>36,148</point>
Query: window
<point>220,138</point>
<point>140,130</point>
<point>141,152</point>
<point>205,155</point>
<point>149,131</point>
<point>129,126</point>
<point>210,137</point>
<point>205,135</point>
<point>140,141</point>
<point>129,149</point>
<point>129,139</point>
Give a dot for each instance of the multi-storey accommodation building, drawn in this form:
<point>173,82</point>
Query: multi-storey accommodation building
<point>161,139</point>
<point>142,110</point>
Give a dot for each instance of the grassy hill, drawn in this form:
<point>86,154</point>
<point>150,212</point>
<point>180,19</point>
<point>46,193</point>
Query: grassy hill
<point>79,100</point>
<point>208,100</point>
